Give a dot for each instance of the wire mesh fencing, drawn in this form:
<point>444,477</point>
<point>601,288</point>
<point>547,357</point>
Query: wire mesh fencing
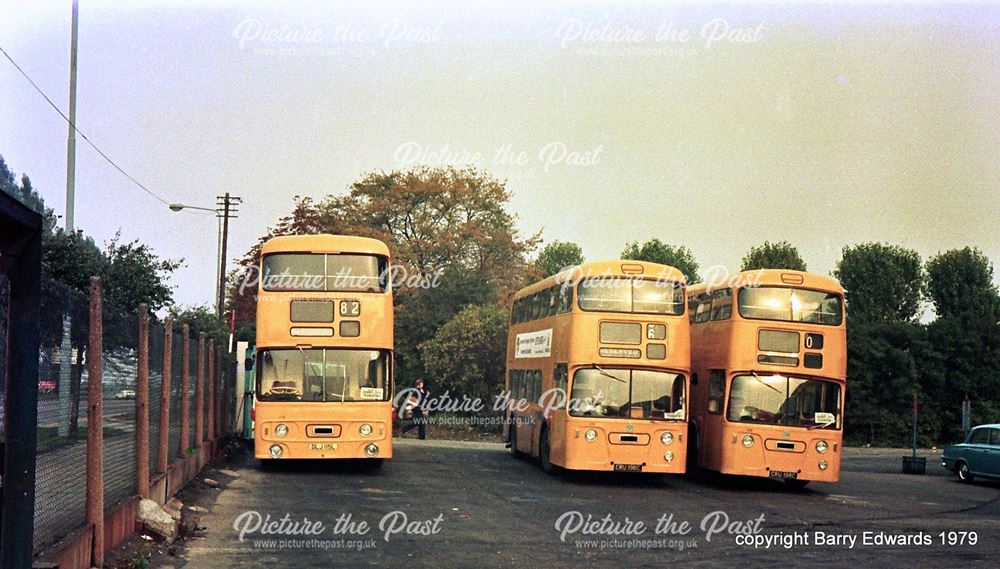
<point>60,479</point>
<point>156,338</point>
<point>64,387</point>
<point>176,371</point>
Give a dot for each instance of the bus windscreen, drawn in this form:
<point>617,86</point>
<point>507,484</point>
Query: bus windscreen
<point>323,375</point>
<point>329,273</point>
<point>791,305</point>
<point>646,296</point>
<point>627,393</point>
<point>783,400</point>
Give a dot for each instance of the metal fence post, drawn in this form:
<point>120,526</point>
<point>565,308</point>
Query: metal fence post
<point>142,407</point>
<point>199,395</point>
<point>95,423</point>
<point>211,389</point>
<point>185,388</point>
<point>168,361</point>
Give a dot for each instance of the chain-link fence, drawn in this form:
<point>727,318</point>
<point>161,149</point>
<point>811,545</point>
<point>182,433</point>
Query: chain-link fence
<point>176,369</point>
<point>60,482</point>
<point>61,478</point>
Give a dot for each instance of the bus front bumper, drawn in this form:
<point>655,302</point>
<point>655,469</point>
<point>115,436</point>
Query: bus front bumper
<point>617,448</point>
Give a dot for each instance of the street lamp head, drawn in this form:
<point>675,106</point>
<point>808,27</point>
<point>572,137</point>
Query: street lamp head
<point>176,207</point>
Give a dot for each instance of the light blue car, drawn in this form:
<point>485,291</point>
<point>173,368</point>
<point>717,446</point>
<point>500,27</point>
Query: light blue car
<point>978,456</point>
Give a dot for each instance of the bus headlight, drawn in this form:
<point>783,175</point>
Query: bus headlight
<point>748,440</point>
<point>275,451</point>
<point>823,465</point>
<point>371,450</point>
<point>668,456</point>
<point>365,430</point>
<point>590,435</point>
<point>667,438</point>
<point>281,430</point>
<point>822,447</point>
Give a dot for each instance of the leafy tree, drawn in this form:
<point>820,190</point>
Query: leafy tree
<point>72,258</point>
<point>656,251</point>
<point>467,355</point>
<point>7,179</point>
<point>200,319</point>
<point>557,256</point>
<point>780,255</point>
<point>961,359</point>
<point>882,374</point>
<point>135,274</point>
<point>960,284</point>
<point>883,282</point>
<point>26,193</point>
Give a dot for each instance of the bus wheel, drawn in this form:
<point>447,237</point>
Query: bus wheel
<point>796,484</point>
<point>513,442</point>
<point>374,464</point>
<point>268,464</point>
<point>543,453</point>
<point>964,474</point>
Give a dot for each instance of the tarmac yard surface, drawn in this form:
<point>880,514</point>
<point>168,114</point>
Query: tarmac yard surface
<point>447,504</point>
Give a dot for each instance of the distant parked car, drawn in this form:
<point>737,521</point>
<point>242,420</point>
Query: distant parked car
<point>125,394</point>
<point>979,455</point>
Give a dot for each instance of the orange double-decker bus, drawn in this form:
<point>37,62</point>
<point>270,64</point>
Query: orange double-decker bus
<point>324,349</point>
<point>613,336</point>
<point>769,365</point>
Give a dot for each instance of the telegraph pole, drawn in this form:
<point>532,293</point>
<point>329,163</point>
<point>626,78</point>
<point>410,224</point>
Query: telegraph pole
<point>71,142</point>
<point>228,206</point>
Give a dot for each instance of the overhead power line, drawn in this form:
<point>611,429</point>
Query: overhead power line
<point>82,135</point>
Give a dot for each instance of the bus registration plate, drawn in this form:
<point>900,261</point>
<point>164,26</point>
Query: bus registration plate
<point>628,468</point>
<point>322,446</point>
<point>784,475</point>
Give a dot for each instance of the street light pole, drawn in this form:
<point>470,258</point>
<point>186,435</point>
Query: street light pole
<point>71,141</point>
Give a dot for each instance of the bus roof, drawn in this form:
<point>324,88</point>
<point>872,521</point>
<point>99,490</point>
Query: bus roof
<point>610,268</point>
<point>769,277</point>
<point>324,243</point>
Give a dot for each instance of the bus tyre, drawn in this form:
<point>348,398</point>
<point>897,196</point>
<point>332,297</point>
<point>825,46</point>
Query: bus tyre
<point>543,453</point>
<point>796,485</point>
<point>963,472</point>
<point>513,442</point>
<point>374,464</point>
<point>268,464</point>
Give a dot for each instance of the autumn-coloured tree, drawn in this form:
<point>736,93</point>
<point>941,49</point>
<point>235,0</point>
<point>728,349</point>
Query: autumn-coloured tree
<point>451,237</point>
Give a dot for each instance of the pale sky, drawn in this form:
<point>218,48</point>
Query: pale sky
<point>716,127</point>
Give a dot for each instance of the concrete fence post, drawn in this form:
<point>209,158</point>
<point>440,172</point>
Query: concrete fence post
<point>185,389</point>
<point>199,395</point>
<point>95,424</point>
<point>212,383</point>
<point>162,444</point>
<point>142,407</point>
